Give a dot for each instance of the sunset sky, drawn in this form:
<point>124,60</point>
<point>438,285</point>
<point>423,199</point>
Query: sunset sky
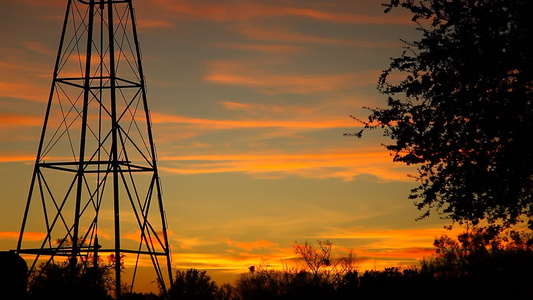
<point>250,100</point>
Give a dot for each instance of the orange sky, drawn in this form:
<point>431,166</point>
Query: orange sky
<point>250,100</point>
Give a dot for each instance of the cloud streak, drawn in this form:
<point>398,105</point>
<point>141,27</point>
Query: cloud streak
<point>242,11</point>
<point>282,35</point>
<point>9,120</point>
<point>390,238</point>
<point>241,74</point>
<point>28,236</point>
<point>265,48</point>
<point>250,246</point>
<point>153,24</point>
<point>344,165</point>
<point>250,123</point>
<point>13,157</point>
<point>24,91</point>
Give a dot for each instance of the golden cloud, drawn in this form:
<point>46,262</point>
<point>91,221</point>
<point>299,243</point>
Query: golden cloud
<point>249,246</point>
<point>250,123</point>
<point>346,165</point>
<point>28,236</point>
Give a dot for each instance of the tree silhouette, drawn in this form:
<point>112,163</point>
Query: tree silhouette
<point>464,112</point>
<point>314,258</point>
<point>56,281</point>
<point>482,265</point>
<point>193,285</point>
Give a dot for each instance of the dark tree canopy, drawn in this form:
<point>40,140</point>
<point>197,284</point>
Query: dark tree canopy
<point>193,285</point>
<point>463,111</point>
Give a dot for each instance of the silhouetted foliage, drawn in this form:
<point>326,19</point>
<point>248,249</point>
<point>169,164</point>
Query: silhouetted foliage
<point>56,281</point>
<point>395,283</point>
<point>259,284</point>
<point>323,276</point>
<point>479,264</point>
<point>193,285</point>
<point>464,112</point>
<point>288,284</point>
<point>83,280</point>
<point>226,292</point>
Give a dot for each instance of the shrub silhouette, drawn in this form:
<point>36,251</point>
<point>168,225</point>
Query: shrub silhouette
<point>56,281</point>
<point>482,264</point>
<point>193,285</point>
<point>479,264</point>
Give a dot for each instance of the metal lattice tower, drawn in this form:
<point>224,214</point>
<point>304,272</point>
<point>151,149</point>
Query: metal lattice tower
<point>96,170</point>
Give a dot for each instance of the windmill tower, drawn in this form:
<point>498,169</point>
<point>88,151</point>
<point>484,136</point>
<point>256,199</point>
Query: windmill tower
<point>95,188</point>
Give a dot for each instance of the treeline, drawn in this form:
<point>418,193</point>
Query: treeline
<point>479,264</point>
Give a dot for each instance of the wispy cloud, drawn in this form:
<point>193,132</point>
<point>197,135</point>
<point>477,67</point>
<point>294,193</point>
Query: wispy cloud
<point>39,47</point>
<point>153,23</point>
<point>8,120</point>
<point>411,253</point>
<point>241,10</point>
<point>345,165</point>
<point>412,233</point>
<point>327,109</point>
<point>28,236</point>
<point>224,260</point>
<point>13,157</point>
<point>341,17</point>
<point>44,3</point>
<point>390,238</point>
<point>249,246</point>
<point>266,48</point>
<point>243,74</point>
<point>283,35</point>
<point>250,123</point>
<point>24,91</point>
<point>190,243</point>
